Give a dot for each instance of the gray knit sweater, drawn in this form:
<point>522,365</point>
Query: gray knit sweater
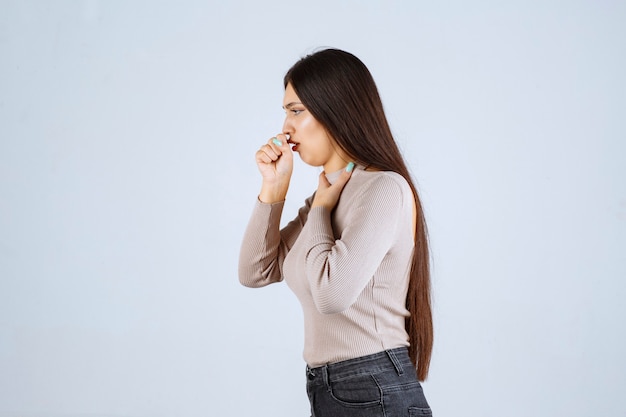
<point>348,268</point>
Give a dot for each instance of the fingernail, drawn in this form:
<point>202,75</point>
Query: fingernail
<point>277,142</point>
<point>350,167</point>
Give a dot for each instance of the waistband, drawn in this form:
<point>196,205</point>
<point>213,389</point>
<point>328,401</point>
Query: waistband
<point>397,359</point>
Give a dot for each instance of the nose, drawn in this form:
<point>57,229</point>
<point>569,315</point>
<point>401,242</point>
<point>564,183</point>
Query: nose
<point>287,127</point>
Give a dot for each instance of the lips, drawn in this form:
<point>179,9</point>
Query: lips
<point>294,146</point>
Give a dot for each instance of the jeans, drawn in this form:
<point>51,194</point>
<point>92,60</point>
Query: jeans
<point>380,385</point>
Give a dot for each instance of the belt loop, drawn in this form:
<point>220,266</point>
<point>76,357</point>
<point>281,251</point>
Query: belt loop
<point>325,376</point>
<point>395,361</point>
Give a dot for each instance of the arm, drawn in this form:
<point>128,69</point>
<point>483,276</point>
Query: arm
<point>339,270</point>
<point>262,253</point>
<point>264,247</point>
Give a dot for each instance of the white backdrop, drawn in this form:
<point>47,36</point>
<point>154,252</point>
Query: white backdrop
<point>127,135</point>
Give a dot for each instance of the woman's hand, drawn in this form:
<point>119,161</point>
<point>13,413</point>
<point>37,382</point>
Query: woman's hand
<point>327,194</point>
<point>275,163</point>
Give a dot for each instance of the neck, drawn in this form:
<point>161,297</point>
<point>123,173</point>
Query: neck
<point>336,165</point>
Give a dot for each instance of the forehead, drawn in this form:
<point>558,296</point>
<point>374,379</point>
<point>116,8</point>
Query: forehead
<point>290,96</point>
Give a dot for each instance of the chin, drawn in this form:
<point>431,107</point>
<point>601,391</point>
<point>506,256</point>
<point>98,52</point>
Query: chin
<point>311,163</point>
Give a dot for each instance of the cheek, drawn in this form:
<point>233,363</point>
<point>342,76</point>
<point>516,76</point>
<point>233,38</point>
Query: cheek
<point>304,125</point>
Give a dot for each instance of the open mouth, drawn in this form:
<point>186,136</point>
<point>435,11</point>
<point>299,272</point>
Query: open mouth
<point>294,145</point>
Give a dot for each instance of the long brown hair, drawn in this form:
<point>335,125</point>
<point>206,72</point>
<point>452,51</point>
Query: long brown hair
<point>339,91</point>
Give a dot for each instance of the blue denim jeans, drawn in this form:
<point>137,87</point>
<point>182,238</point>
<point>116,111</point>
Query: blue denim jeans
<point>380,385</point>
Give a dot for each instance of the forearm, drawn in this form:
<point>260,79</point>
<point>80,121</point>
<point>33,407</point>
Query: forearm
<point>260,255</point>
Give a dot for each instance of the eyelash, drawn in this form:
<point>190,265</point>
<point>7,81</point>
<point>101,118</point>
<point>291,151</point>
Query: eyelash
<point>296,111</point>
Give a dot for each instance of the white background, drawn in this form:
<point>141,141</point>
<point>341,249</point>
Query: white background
<point>127,135</point>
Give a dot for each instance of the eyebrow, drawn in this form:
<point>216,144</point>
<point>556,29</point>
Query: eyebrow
<point>290,105</point>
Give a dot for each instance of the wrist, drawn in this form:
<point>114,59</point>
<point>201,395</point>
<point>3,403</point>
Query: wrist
<point>273,193</point>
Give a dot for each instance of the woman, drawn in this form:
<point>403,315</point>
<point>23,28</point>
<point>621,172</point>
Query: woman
<point>356,255</point>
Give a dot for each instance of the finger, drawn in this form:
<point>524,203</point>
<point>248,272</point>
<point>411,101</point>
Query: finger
<point>268,151</point>
<point>275,145</point>
<point>323,182</point>
<point>282,143</point>
<point>272,152</point>
<point>283,137</point>
<point>263,157</point>
<point>344,177</point>
<point>279,141</point>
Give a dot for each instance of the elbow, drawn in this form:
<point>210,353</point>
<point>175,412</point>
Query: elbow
<point>254,281</point>
<point>247,277</point>
<point>330,299</point>
<point>250,282</point>
<point>252,278</point>
<point>331,304</point>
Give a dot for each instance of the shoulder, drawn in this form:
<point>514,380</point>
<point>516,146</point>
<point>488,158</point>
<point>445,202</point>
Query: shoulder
<point>376,185</point>
<point>382,180</point>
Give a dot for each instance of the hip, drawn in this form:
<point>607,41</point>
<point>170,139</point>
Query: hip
<point>381,384</point>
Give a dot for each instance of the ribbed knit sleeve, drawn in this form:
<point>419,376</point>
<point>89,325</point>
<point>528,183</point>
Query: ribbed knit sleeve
<point>349,267</point>
<point>339,269</point>
<point>265,246</point>
<point>259,257</point>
